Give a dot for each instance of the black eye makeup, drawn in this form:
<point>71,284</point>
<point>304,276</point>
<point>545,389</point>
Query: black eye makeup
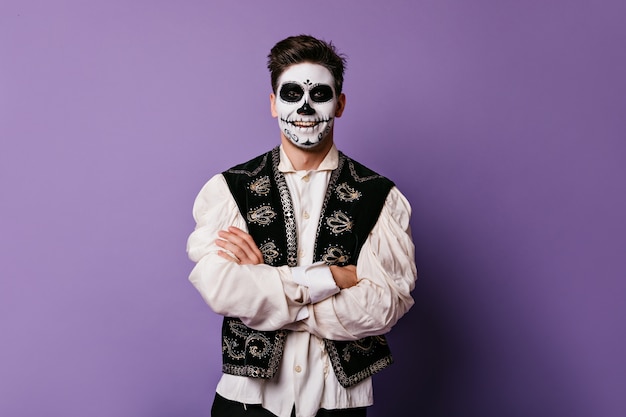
<point>321,93</point>
<point>291,92</point>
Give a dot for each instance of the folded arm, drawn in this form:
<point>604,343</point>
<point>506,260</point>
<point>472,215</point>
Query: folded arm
<point>231,279</point>
<point>386,276</point>
<point>229,273</point>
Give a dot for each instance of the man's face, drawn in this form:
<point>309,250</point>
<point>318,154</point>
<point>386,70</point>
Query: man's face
<point>306,104</point>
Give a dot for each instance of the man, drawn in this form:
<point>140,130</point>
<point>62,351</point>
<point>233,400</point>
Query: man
<point>305,252</point>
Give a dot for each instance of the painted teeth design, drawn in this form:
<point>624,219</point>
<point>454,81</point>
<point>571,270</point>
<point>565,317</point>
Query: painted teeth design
<point>305,124</point>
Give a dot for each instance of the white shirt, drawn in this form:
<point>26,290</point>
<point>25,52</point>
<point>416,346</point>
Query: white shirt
<point>304,298</point>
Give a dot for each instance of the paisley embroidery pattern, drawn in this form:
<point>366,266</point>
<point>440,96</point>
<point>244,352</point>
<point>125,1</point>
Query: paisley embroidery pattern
<point>270,252</point>
<point>260,186</point>
<point>363,346</point>
<point>336,255</point>
<point>347,193</point>
<point>240,343</point>
<point>232,348</point>
<point>339,223</point>
<point>331,186</point>
<point>262,215</point>
<point>256,343</point>
<point>346,379</point>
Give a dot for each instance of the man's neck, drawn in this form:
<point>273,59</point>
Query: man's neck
<point>306,159</point>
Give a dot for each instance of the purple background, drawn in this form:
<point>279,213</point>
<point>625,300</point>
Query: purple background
<point>504,122</point>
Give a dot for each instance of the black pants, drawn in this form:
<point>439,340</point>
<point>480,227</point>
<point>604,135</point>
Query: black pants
<point>227,408</point>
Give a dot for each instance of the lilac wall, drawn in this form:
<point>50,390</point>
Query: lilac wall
<point>503,122</point>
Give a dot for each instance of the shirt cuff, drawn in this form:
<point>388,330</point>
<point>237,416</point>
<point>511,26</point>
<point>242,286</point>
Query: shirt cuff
<point>318,279</point>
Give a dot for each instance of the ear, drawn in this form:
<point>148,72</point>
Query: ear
<point>273,105</point>
<point>341,105</point>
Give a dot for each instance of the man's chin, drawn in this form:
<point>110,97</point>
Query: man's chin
<point>307,145</point>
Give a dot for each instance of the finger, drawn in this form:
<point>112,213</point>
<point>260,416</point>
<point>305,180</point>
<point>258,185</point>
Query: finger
<point>239,248</point>
<point>233,250</point>
<point>233,239</point>
<point>236,239</point>
<point>228,257</point>
<point>243,245</point>
<point>246,237</point>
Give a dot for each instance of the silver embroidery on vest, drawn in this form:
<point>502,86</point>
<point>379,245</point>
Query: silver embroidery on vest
<point>364,346</point>
<point>262,215</point>
<point>256,343</point>
<point>356,176</point>
<point>285,200</point>
<point>331,186</point>
<point>260,186</point>
<point>335,255</point>
<point>349,380</point>
<point>250,173</point>
<point>339,223</point>
<point>232,348</point>
<point>347,193</point>
<point>270,252</point>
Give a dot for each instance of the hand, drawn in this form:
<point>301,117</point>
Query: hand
<point>240,244</point>
<point>344,276</point>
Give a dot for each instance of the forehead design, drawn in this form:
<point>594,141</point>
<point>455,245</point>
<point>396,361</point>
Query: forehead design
<point>307,74</point>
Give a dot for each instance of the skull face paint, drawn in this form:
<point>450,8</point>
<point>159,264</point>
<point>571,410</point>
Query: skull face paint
<point>306,104</point>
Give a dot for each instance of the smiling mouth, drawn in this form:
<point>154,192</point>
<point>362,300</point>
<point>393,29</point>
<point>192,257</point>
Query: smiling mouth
<point>304,124</point>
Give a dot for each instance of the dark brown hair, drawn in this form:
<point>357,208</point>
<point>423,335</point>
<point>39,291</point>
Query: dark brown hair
<point>306,48</point>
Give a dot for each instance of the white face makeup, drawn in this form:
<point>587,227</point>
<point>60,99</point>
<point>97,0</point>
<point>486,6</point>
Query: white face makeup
<point>306,104</point>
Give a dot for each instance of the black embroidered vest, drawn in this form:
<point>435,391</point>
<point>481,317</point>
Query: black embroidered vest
<point>353,201</point>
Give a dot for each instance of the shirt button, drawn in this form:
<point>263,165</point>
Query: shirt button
<point>301,253</point>
<point>306,178</point>
<point>298,369</point>
<point>306,215</point>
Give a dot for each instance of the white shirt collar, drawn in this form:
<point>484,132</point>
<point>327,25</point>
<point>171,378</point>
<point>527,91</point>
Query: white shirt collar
<point>330,162</point>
